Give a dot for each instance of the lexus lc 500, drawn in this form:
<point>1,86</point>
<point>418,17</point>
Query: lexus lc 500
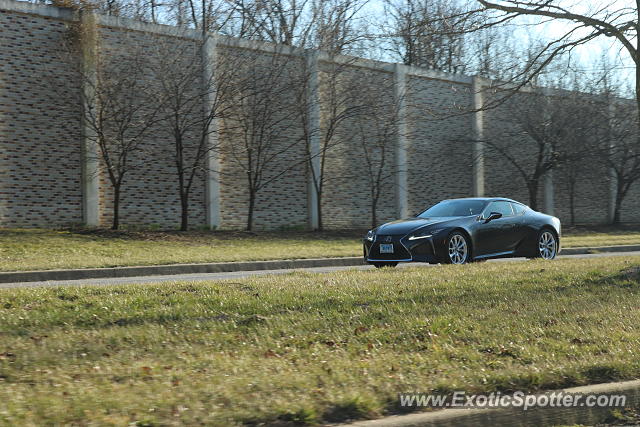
<point>458,231</point>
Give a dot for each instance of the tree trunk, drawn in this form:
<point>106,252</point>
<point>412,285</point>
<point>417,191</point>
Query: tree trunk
<point>616,212</point>
<point>618,206</point>
<point>252,204</point>
<point>184,217</point>
<point>320,225</point>
<point>116,207</point>
<point>153,12</point>
<point>374,207</point>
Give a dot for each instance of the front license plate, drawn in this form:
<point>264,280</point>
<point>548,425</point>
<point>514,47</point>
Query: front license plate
<point>386,248</point>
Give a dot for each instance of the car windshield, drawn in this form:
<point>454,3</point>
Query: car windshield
<point>455,208</point>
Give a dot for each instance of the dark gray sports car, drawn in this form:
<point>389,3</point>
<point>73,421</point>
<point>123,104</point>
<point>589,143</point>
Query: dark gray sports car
<point>458,231</point>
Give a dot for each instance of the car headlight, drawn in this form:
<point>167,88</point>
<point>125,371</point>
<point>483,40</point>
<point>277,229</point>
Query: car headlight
<point>424,234</point>
<point>371,235</point>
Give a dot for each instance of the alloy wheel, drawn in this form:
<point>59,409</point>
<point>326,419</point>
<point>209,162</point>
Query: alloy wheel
<point>547,245</point>
<point>458,249</point>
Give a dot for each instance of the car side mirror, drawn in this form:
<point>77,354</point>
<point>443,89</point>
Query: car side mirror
<point>492,216</point>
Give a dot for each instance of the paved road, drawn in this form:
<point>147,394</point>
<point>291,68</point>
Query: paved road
<point>241,274</point>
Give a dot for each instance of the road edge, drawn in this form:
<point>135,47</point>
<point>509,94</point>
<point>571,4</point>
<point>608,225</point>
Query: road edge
<point>225,267</point>
<point>516,416</point>
<point>173,269</point>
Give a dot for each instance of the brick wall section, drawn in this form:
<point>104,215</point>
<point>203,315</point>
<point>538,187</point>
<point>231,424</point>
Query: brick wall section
<point>625,127</point>
<point>631,205</point>
<point>39,137</point>
<point>591,194</point>
<point>346,202</point>
<point>282,202</point>
<point>592,179</point>
<point>440,152</point>
<point>150,194</point>
<point>502,177</point>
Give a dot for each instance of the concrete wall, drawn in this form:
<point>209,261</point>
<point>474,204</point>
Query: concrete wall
<point>41,138</point>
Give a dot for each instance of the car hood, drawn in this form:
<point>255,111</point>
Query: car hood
<point>405,226</point>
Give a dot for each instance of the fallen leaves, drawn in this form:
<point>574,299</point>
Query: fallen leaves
<point>7,355</point>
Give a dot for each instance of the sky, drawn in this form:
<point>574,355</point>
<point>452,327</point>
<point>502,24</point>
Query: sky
<point>587,57</point>
<point>591,53</point>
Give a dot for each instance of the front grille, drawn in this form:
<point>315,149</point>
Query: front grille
<point>399,251</point>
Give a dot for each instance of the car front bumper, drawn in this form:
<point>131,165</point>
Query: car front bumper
<point>405,250</point>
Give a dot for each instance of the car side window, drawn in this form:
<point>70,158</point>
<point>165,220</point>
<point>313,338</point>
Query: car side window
<point>518,209</point>
<point>502,207</point>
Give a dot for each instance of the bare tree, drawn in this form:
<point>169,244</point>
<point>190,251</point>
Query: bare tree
<point>541,127</point>
<point>330,25</point>
<point>336,25</point>
<point>119,118</point>
<point>576,152</point>
<point>489,47</point>
<point>427,33</point>
<point>619,133</point>
<point>338,103</point>
<point>323,97</point>
<point>183,89</point>
<point>621,152</point>
<point>333,25</point>
<point>262,122</point>
<point>204,15</point>
<point>578,142</point>
<point>620,22</point>
<point>278,21</point>
<point>376,133</point>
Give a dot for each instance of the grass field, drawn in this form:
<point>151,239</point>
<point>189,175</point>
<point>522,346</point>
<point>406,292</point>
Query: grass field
<point>606,237</point>
<point>308,348</point>
<point>38,249</point>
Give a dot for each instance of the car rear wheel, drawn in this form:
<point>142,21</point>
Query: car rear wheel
<point>547,245</point>
<point>384,264</point>
<point>458,249</point>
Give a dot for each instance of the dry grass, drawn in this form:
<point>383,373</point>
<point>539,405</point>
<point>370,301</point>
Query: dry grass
<point>39,249</point>
<point>309,348</point>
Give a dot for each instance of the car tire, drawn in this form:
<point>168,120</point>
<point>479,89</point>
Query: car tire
<point>384,264</point>
<point>546,244</point>
<point>457,249</point>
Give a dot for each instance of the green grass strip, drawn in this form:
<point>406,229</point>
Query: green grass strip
<point>308,348</point>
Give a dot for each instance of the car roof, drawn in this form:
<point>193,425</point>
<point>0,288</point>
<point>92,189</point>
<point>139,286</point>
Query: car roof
<point>488,199</point>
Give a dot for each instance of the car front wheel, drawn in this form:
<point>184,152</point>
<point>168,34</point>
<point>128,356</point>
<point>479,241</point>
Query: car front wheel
<point>547,245</point>
<point>458,249</point>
